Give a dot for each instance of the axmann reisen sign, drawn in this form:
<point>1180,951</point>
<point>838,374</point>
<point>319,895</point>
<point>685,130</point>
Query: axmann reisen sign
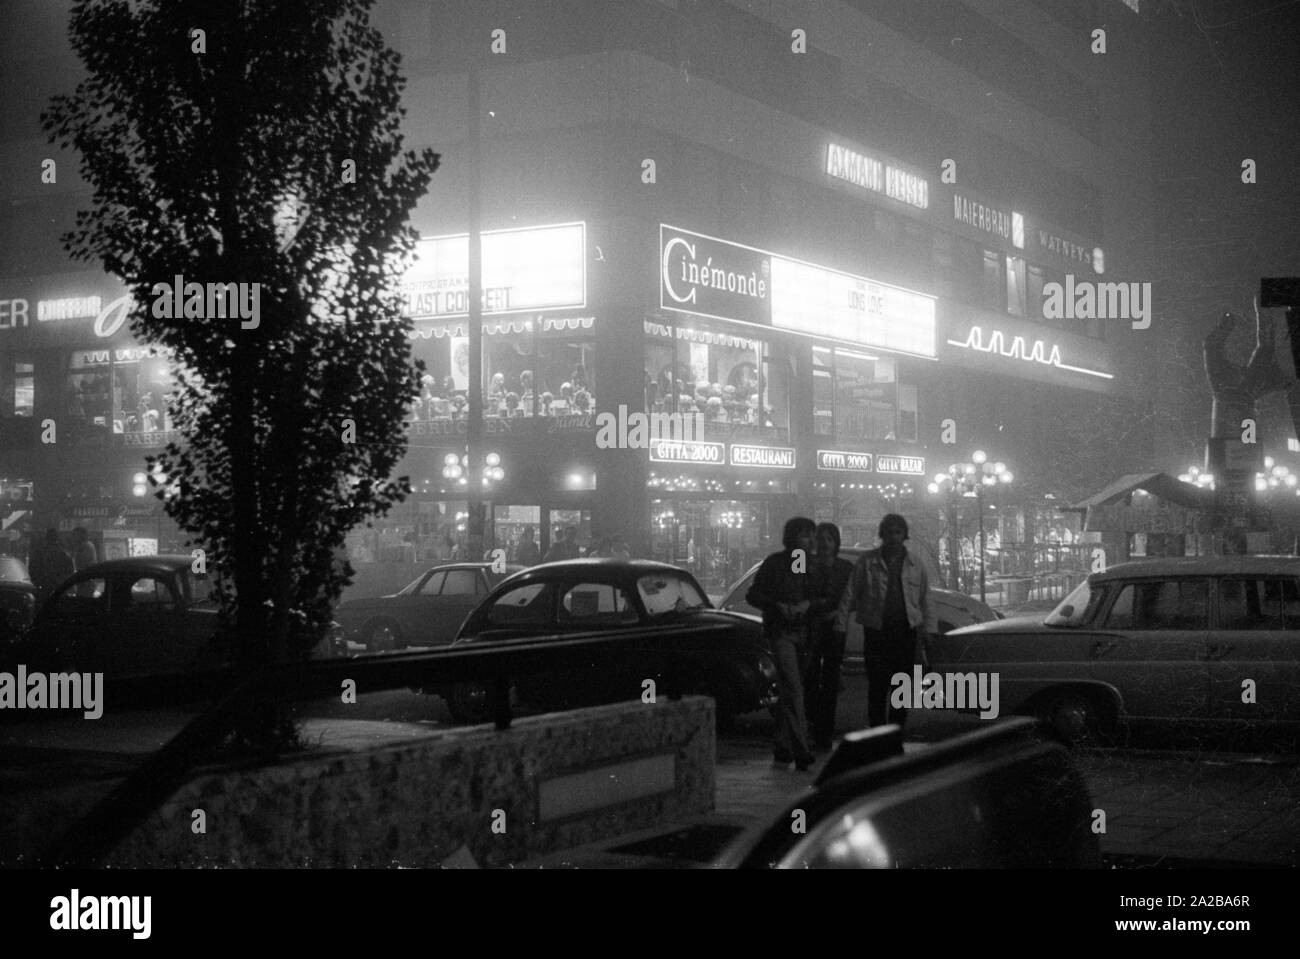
<point>706,276</point>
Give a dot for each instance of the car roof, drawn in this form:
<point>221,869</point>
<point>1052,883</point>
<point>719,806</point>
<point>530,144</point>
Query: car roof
<point>602,569</point>
<point>140,565</point>
<point>1201,566</point>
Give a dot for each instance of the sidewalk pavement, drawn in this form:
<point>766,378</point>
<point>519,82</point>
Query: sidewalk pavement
<point>1163,809</point>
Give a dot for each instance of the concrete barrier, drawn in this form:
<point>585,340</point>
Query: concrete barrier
<point>471,796</point>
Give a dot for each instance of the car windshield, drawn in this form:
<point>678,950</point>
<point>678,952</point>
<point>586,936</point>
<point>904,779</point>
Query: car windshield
<point>1075,609</point>
<point>668,593</point>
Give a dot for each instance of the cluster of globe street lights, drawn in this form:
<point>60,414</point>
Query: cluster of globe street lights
<point>1274,476</point>
<point>970,479</point>
<point>456,468</point>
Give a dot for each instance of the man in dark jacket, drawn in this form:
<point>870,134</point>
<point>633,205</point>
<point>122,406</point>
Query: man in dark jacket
<point>830,577</point>
<point>782,591</point>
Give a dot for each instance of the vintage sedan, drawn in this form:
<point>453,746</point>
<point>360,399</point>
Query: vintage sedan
<point>1198,643</point>
<point>574,596</point>
<point>131,618</point>
<point>17,599</point>
<point>427,611</point>
<point>952,609</point>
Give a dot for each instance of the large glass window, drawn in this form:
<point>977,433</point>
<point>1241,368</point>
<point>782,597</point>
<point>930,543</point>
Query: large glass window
<point>566,377</point>
<point>865,397</point>
<point>1035,280</point>
<point>733,383</point>
<point>24,387</point>
<point>908,420</point>
<point>715,539</point>
<point>89,389</point>
<point>992,295</point>
<point>823,392</point>
<point>1016,285</point>
<point>142,389</point>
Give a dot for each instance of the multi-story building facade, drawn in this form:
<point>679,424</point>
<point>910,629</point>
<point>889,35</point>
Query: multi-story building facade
<point>827,230</point>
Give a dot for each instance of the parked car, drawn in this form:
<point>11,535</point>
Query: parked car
<point>573,596</point>
<point>17,599</point>
<point>427,611</point>
<point>127,618</point>
<point>1161,643</point>
<point>951,609</point>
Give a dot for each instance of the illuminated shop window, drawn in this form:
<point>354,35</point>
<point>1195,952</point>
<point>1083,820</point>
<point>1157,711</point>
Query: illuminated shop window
<point>88,392</point>
<point>733,382</point>
<point>1035,281</point>
<point>992,294</point>
<point>24,388</point>
<point>1016,285</point>
<point>142,389</point>
<point>908,423</point>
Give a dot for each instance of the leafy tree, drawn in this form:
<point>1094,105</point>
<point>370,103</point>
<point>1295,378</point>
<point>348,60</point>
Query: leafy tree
<point>227,156</point>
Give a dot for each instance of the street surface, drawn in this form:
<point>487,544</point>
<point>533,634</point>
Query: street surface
<point>1167,806</point>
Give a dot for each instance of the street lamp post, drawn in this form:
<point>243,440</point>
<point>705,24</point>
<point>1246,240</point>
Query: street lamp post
<point>969,479</point>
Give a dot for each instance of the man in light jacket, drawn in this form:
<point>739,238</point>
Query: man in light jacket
<point>891,593</point>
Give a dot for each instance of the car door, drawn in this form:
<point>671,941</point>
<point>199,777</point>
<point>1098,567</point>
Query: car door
<point>69,629</point>
<point>1151,646</point>
<point>416,612</point>
<point>588,606</point>
<point>145,626</point>
<point>462,589</point>
<point>1254,650</point>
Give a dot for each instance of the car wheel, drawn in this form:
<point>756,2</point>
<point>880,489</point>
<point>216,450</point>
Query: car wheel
<point>381,636</point>
<point>1076,719</point>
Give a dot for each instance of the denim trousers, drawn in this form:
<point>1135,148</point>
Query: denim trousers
<point>788,653</point>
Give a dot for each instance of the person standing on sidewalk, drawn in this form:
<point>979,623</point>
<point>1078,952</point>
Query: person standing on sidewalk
<point>781,589</point>
<point>891,593</point>
<point>829,614</point>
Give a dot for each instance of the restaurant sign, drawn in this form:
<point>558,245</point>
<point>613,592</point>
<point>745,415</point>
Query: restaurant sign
<point>779,457</point>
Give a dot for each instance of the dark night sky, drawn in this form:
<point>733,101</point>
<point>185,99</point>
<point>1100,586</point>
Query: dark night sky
<point>1229,90</point>
<point>1226,86</point>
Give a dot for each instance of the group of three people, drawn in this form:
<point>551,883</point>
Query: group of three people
<point>807,598</point>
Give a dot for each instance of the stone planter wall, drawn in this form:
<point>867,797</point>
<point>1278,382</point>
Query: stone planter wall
<point>549,783</point>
